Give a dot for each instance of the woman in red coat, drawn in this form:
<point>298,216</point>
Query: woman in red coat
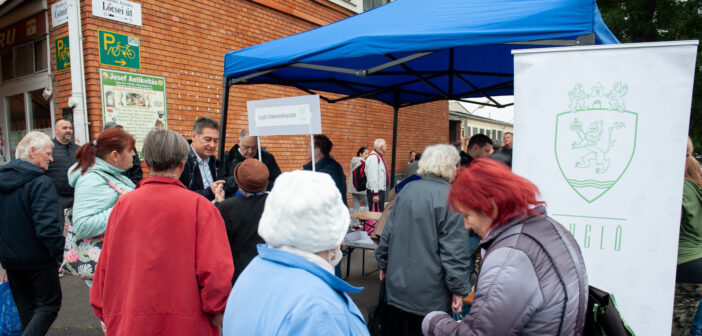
<point>165,266</point>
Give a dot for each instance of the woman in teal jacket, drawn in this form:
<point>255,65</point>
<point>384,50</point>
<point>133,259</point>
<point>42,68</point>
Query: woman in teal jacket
<point>103,159</point>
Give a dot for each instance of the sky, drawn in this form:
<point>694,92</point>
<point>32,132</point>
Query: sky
<point>503,114</point>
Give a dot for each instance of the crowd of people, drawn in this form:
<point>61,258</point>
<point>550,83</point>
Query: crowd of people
<point>193,247</point>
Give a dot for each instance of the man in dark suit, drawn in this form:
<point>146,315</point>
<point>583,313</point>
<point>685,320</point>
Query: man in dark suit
<point>200,173</point>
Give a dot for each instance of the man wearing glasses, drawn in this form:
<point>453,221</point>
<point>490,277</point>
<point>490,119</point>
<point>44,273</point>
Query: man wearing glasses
<point>247,148</point>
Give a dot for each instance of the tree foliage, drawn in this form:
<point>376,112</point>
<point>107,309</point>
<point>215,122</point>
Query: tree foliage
<point>661,20</point>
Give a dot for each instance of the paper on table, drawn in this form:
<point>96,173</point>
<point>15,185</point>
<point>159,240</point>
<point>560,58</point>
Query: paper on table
<point>359,239</point>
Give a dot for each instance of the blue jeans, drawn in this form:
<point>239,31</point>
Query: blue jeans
<point>696,329</point>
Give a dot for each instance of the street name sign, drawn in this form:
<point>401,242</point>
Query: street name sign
<point>119,50</point>
<point>119,10</point>
<point>59,13</point>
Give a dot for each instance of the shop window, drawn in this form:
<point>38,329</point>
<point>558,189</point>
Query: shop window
<point>8,65</point>
<point>40,55</point>
<point>40,112</point>
<point>24,59</point>
<point>17,121</point>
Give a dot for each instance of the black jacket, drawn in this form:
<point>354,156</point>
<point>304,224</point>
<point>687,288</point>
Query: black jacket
<point>30,234</point>
<point>135,174</point>
<point>465,159</point>
<point>241,216</point>
<point>192,179</point>
<point>329,166</point>
<point>64,157</point>
<point>235,157</point>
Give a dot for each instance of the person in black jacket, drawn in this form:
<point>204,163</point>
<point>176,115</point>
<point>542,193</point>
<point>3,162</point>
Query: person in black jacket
<point>134,173</point>
<point>479,146</point>
<point>64,155</point>
<point>242,212</point>
<point>326,164</point>
<point>200,173</point>
<point>247,148</point>
<point>31,240</point>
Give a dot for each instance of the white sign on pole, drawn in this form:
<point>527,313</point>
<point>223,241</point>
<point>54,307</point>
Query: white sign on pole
<point>59,13</point>
<point>285,116</point>
<point>602,131</point>
<point>118,10</point>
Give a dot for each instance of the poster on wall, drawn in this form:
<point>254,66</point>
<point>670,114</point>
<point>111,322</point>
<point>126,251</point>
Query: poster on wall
<point>602,131</point>
<point>136,102</point>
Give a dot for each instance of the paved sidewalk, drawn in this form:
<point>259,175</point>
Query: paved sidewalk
<point>76,317</point>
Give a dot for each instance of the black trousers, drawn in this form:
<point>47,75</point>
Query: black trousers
<point>64,203</point>
<point>381,202</point>
<point>37,295</point>
<point>401,323</point>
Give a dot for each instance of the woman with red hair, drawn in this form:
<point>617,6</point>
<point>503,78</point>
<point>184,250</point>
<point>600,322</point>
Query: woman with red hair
<point>532,279</point>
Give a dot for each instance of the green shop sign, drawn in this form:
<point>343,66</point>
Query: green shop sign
<point>63,54</point>
<point>119,50</point>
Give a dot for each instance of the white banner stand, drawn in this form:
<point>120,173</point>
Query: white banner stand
<point>602,132</point>
<point>285,116</point>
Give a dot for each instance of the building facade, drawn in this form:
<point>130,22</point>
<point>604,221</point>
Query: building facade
<point>463,124</point>
<point>155,63</point>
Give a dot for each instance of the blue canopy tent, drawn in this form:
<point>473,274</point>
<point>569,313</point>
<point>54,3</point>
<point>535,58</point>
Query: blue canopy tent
<point>416,51</point>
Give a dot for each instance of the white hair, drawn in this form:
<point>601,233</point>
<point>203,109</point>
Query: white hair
<point>35,139</point>
<point>439,160</point>
<point>378,142</point>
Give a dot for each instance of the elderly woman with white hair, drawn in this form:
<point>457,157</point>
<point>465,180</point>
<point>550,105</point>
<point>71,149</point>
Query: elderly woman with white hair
<point>423,253</point>
<point>290,287</point>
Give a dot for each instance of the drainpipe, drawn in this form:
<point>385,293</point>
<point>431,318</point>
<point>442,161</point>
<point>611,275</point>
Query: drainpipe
<point>77,100</point>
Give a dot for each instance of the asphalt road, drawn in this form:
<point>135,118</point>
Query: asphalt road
<point>76,317</point>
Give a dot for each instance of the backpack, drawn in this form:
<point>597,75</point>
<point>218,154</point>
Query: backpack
<point>358,177</point>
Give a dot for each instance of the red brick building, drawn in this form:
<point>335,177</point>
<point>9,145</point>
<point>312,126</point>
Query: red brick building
<point>185,43</point>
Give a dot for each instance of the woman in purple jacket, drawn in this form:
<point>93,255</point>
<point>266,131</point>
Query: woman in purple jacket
<point>532,279</point>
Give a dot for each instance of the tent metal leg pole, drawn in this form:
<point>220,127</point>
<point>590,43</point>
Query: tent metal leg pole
<point>394,141</point>
<point>223,125</point>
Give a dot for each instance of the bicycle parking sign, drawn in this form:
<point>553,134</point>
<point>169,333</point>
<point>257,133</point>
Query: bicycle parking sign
<point>63,55</point>
<point>119,50</point>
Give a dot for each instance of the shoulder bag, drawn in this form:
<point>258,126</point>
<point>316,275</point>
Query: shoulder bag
<point>80,256</point>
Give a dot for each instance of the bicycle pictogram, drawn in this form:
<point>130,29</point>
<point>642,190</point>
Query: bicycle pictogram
<point>122,50</point>
<point>64,54</point>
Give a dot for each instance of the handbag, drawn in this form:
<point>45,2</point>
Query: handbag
<point>377,315</point>
<point>80,256</point>
<point>369,225</point>
<point>10,323</point>
<point>602,317</point>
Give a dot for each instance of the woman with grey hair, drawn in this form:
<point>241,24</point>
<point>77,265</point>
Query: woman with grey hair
<point>423,253</point>
<point>165,266</point>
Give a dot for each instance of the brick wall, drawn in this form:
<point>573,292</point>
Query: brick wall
<point>185,42</point>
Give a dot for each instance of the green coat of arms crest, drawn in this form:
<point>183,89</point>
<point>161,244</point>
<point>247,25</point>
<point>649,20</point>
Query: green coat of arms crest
<point>595,140</point>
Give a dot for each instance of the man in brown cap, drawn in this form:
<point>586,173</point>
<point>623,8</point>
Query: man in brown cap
<point>242,212</point>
